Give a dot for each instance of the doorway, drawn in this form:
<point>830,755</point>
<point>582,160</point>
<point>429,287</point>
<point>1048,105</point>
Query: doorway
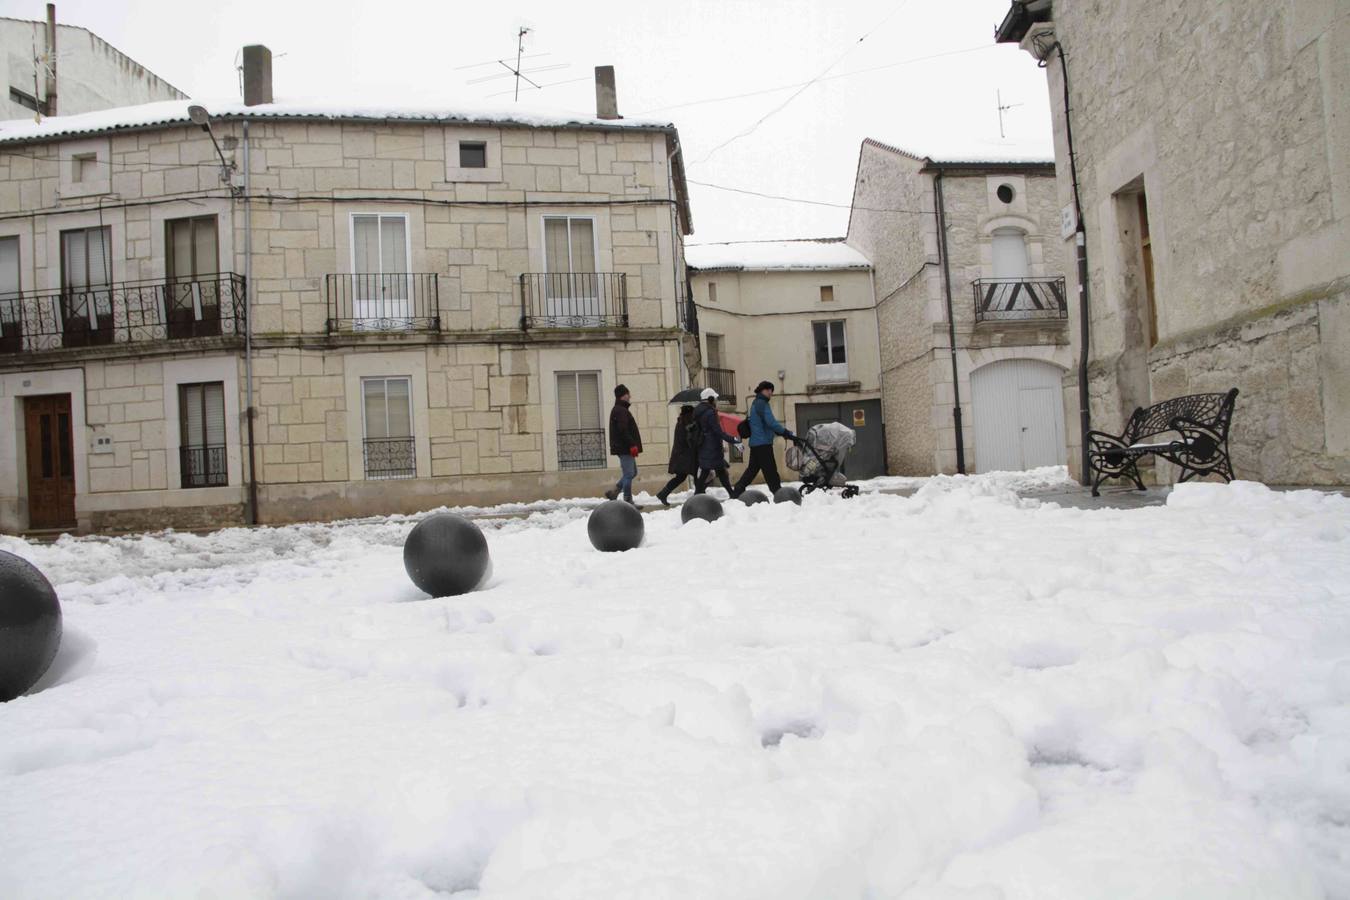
<point>1019,415</point>
<point>867,459</point>
<point>51,461</point>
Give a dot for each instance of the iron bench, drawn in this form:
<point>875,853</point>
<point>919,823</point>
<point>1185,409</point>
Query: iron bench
<point>1200,420</point>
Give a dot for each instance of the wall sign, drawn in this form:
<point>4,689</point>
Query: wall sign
<point>1068,222</point>
<point>859,418</point>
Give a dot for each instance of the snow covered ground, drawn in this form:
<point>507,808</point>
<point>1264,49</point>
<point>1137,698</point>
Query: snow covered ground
<point>959,694</point>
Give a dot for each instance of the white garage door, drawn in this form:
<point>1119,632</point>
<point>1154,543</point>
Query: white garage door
<point>1019,416</point>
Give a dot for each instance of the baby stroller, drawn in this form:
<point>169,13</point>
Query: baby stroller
<point>820,456</point>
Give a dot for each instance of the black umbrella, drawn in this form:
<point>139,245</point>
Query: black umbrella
<point>688,395</point>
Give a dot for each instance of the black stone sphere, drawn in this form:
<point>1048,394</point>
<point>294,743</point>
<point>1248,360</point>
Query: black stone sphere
<point>750,498</point>
<point>787,494</point>
<point>446,555</point>
<point>701,506</point>
<point>30,625</point>
<point>615,525</point>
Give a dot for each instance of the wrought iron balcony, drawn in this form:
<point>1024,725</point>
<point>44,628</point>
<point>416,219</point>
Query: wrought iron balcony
<point>1019,299</point>
<point>203,466</point>
<point>582,448</point>
<point>123,313</point>
<point>389,458</point>
<point>723,381</point>
<point>383,302</point>
<point>573,300</point>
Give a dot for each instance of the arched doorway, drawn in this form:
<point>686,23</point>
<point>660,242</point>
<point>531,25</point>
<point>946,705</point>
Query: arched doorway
<point>1019,415</point>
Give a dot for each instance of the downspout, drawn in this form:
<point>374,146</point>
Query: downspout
<point>941,213</point>
<point>51,60</point>
<point>249,413</point>
<point>881,375</point>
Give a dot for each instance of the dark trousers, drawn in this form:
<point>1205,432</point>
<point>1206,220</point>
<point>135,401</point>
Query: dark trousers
<point>676,481</point>
<point>706,475</point>
<point>761,460</point>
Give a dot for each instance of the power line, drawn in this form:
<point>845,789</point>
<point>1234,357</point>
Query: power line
<point>722,187</point>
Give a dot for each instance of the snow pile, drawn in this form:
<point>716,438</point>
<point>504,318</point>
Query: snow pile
<point>958,694</point>
<point>774,255</point>
<point>967,149</point>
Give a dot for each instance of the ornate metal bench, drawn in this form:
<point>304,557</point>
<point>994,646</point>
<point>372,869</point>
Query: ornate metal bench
<point>1200,420</point>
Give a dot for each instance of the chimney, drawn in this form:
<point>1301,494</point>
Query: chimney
<point>51,59</point>
<point>257,75</point>
<point>606,100</point>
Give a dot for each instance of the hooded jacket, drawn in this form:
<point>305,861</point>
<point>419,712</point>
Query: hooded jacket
<point>763,424</point>
<point>623,430</point>
<point>710,454</point>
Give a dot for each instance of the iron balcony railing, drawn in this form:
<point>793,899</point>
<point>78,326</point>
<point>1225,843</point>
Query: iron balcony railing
<point>581,448</point>
<point>573,300</point>
<point>388,458</point>
<point>723,381</point>
<point>123,312</point>
<point>386,301</point>
<point>1019,299</point>
<point>203,466</point>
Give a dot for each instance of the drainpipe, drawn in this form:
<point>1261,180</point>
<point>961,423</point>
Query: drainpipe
<point>881,375</point>
<point>941,213</point>
<point>249,413</point>
<point>51,60</point>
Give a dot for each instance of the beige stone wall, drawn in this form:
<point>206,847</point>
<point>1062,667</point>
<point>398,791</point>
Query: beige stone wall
<point>1240,145</point>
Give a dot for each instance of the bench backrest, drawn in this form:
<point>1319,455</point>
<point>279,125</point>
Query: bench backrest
<point>1214,410</point>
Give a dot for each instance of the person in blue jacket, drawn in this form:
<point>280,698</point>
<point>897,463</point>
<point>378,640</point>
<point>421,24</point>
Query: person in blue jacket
<point>763,427</point>
<point>711,460</point>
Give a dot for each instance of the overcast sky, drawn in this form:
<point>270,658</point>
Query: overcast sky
<point>674,60</point>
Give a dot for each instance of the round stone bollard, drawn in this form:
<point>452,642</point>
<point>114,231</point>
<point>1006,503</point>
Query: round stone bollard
<point>615,526</point>
<point>446,555</point>
<point>30,625</point>
<point>701,506</point>
<point>787,494</point>
<point>750,498</point>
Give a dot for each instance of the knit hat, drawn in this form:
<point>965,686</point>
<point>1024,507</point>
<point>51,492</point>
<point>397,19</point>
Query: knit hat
<point>620,391</point>
<point>764,386</point>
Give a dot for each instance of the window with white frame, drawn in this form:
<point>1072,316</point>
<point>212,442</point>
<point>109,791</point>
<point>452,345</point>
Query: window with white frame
<point>581,428</point>
<point>389,448</point>
<point>381,290</point>
<point>86,286</point>
<point>831,359</point>
<point>11,320</point>
<point>1010,254</point>
<point>201,414</point>
<point>573,291</point>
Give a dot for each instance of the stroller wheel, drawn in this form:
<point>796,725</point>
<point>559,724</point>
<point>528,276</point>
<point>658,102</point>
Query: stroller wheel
<point>850,490</point>
<point>808,488</point>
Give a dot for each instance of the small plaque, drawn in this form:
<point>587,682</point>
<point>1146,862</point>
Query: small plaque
<point>1068,222</point>
<point>859,418</point>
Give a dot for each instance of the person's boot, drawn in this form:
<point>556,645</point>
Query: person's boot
<point>663,497</point>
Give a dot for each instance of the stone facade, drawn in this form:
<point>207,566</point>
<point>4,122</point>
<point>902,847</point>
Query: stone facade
<point>1240,149</point>
<point>485,418</point>
<point>894,223</point>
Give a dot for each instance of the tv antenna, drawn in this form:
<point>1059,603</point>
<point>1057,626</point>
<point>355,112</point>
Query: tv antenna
<point>516,71</point>
<point>1002,108</point>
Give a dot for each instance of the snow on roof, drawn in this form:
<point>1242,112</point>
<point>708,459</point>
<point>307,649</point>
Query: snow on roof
<point>808,253</point>
<point>951,149</point>
<point>174,112</point>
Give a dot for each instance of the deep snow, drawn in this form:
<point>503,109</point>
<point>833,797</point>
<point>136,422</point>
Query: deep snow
<point>960,694</point>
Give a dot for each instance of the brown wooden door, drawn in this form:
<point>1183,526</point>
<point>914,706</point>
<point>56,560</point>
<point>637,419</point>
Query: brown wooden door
<point>51,461</point>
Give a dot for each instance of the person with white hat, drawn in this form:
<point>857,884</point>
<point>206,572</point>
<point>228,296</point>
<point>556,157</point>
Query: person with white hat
<point>711,460</point>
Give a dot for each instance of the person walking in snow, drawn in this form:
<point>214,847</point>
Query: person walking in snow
<point>624,442</point>
<point>711,460</point>
<point>683,455</point>
<point>763,426</point>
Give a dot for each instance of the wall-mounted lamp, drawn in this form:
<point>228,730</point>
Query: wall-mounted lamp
<point>200,116</point>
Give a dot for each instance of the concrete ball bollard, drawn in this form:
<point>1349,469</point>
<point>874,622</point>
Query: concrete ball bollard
<point>615,526</point>
<point>446,555</point>
<point>750,498</point>
<point>787,494</point>
<point>701,506</point>
<point>30,625</point>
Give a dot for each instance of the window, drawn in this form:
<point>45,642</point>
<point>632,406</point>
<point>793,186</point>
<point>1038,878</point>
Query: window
<point>1010,254</point>
<point>191,261</point>
<point>714,350</point>
<point>84,168</point>
<point>11,323</point>
<point>573,290</point>
<point>827,293</point>
<point>201,415</point>
<point>86,279</point>
<point>1005,193</point>
<point>831,362</point>
<point>380,289</point>
<point>712,292</point>
<point>390,451</point>
<point>472,154</point>
<point>581,432</point>
<point>24,99</point>
<point>569,244</point>
<point>1146,255</point>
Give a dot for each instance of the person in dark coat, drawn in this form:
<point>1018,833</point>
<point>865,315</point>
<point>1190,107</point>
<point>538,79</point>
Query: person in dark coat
<point>683,457</point>
<point>711,460</point>
<point>624,442</point>
<point>763,426</point>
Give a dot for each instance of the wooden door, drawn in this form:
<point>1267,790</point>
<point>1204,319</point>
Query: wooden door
<point>51,461</point>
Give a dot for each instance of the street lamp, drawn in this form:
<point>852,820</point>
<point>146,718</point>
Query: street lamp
<point>200,116</point>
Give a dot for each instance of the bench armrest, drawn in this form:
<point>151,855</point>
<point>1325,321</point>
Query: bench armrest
<point>1100,440</point>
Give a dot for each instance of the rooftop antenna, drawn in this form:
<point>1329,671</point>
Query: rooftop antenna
<point>515,71</point>
<point>1002,108</point>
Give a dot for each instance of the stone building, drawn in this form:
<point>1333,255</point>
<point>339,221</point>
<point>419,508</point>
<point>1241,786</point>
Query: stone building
<point>440,306</point>
<point>89,74</point>
<point>966,255</point>
<point>1211,164</point>
<point>799,314</point>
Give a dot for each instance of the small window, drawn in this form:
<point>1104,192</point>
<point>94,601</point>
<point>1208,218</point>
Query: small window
<point>827,293</point>
<point>1005,193</point>
<point>83,168</point>
<point>389,448</point>
<point>712,292</point>
<point>472,155</point>
<point>714,351</point>
<point>201,415</point>
<point>24,99</point>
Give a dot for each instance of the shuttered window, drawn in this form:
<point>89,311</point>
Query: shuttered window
<point>581,430</point>
<point>86,259</point>
<point>201,413</point>
<point>192,247</point>
<point>390,450</point>
<point>9,294</point>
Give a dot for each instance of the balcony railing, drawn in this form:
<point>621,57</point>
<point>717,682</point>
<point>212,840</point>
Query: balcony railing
<point>573,300</point>
<point>1019,299</point>
<point>383,302</point>
<point>723,381</point>
<point>203,466</point>
<point>123,312</point>
<point>582,448</point>
<point>389,458</point>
